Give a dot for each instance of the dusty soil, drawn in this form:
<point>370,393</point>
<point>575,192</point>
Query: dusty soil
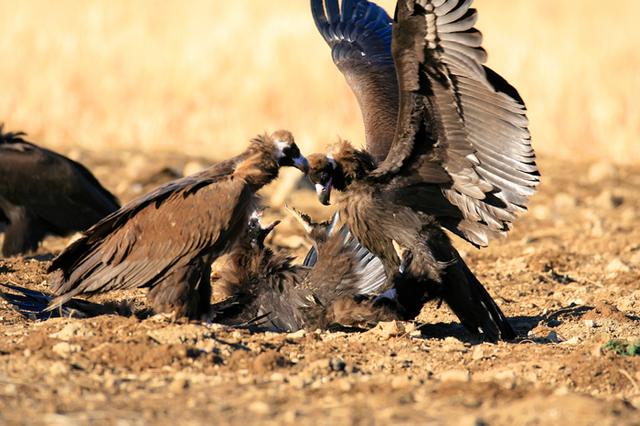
<point>568,278</point>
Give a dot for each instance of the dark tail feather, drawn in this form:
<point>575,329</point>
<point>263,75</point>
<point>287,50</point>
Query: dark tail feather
<point>33,304</point>
<point>473,305</point>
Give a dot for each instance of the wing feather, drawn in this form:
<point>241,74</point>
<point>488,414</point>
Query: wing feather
<point>459,116</point>
<point>130,250</point>
<point>359,34</point>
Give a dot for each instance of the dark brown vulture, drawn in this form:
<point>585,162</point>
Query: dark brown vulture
<point>167,239</point>
<point>335,286</point>
<point>447,147</point>
<point>43,193</point>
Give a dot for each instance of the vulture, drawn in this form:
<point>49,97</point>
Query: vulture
<point>335,285</point>
<point>42,192</point>
<point>166,240</point>
<point>447,147</point>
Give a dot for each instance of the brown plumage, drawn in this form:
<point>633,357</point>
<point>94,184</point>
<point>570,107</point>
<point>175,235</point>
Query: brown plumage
<point>44,193</point>
<point>167,239</point>
<point>460,156</point>
<point>334,286</point>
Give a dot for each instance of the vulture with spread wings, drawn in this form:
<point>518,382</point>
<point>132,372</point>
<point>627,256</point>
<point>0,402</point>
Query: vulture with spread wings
<point>42,192</point>
<point>447,146</point>
<point>167,239</point>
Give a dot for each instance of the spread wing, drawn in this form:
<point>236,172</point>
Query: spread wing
<point>145,240</point>
<point>359,34</point>
<point>462,150</point>
<point>61,192</point>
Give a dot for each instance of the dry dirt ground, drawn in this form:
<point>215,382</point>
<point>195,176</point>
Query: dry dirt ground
<point>567,277</point>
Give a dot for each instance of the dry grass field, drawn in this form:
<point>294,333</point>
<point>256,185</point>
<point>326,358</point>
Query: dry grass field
<point>202,76</point>
<point>133,87</point>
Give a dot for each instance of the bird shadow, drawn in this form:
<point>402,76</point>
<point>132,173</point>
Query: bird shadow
<point>522,325</point>
<point>44,257</point>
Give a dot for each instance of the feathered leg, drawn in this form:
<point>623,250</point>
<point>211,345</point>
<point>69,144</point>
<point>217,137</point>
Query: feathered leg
<point>432,268</point>
<point>185,292</point>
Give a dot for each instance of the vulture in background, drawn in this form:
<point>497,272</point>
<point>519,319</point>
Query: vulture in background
<point>336,284</point>
<point>447,146</point>
<point>166,240</point>
<point>43,193</point>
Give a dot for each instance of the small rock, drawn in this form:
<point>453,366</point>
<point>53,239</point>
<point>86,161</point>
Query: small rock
<point>602,171</point>
<point>565,201</point>
<point>451,344</point>
<point>70,330</point>
<point>259,407</point>
<point>597,351</point>
<point>455,376</point>
<point>193,167</point>
<point>179,384</point>
<point>10,390</point>
<point>478,353</point>
<point>298,382</point>
<point>417,333</point>
<point>297,335</point>
<point>277,377</point>
<point>387,330</point>
<point>589,324</point>
<point>561,391</point>
<point>64,349</point>
<point>399,382</point>
<point>572,341</point>
<point>269,361</point>
<point>554,337</point>
<point>59,369</point>
<point>337,364</point>
<point>616,266</point>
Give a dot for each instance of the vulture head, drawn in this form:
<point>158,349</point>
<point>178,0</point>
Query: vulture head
<point>287,152</point>
<point>338,169</point>
<point>266,154</point>
<point>256,233</point>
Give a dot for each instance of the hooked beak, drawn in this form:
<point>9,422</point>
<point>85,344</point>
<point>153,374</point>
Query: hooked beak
<point>324,192</point>
<point>301,164</point>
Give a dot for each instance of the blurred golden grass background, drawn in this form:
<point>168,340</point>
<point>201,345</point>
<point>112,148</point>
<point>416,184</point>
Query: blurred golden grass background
<point>202,76</point>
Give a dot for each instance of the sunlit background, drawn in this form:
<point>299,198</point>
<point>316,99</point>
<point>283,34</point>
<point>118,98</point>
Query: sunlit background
<point>202,76</point>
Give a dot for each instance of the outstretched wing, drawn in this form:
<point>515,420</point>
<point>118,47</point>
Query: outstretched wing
<point>144,241</point>
<point>33,304</point>
<point>359,34</point>
<point>462,150</point>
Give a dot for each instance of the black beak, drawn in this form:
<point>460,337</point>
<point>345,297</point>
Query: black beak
<point>301,164</point>
<point>324,192</point>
